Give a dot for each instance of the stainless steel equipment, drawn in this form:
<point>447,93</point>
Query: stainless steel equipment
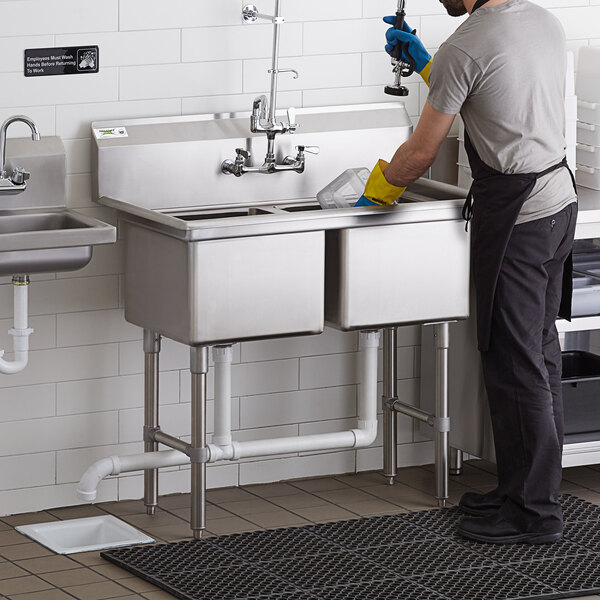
<point>213,260</point>
<point>38,233</point>
<point>17,181</point>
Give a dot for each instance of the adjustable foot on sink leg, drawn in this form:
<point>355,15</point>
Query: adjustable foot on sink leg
<point>150,510</point>
<point>391,480</point>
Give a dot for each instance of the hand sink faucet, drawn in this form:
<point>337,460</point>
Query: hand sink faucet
<point>17,181</point>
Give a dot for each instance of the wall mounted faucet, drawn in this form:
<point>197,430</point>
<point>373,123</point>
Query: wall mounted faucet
<point>263,119</point>
<point>17,181</point>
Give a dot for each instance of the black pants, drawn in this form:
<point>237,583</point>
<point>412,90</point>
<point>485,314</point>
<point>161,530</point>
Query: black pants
<point>522,371</point>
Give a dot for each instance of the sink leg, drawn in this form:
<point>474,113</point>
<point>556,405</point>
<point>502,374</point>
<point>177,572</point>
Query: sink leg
<point>151,379</point>
<point>389,416</point>
<point>442,422</point>
<point>199,370</point>
<point>456,461</point>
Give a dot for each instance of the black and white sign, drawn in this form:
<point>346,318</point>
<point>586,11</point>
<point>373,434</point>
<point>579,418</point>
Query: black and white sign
<point>74,60</point>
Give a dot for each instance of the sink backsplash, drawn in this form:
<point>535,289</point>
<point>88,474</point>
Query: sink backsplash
<point>46,160</point>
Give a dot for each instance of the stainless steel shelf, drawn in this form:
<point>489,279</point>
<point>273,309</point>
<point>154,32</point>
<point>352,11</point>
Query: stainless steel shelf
<point>578,324</point>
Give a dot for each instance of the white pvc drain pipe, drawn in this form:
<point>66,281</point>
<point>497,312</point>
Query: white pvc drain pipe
<point>20,332</point>
<point>224,448</point>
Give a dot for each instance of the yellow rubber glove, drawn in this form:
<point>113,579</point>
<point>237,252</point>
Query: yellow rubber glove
<point>378,192</point>
<point>425,72</point>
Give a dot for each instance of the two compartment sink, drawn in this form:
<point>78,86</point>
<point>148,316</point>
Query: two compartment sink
<point>207,276</point>
<point>47,240</point>
<point>212,259</point>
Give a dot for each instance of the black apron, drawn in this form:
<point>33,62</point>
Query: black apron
<point>499,199</point>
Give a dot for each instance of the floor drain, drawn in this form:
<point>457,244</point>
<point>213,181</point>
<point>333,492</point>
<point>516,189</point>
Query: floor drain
<point>416,556</point>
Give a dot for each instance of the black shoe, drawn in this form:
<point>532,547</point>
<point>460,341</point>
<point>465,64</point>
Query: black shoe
<point>496,530</point>
<point>481,505</point>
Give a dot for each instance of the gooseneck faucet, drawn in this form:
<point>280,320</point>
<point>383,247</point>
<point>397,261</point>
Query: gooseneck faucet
<point>17,181</point>
<point>263,118</point>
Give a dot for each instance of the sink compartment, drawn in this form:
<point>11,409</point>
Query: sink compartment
<point>44,261</point>
<point>38,222</point>
<point>228,214</point>
<point>301,208</point>
<point>397,274</point>
<point>224,290</point>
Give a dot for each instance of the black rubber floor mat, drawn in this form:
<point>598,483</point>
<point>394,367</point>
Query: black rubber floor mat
<point>416,556</point>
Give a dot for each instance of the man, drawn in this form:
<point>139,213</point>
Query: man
<point>504,70</point>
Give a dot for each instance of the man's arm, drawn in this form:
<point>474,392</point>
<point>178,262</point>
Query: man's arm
<point>414,157</point>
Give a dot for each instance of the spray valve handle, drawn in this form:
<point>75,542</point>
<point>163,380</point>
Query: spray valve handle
<point>308,149</point>
<point>242,154</point>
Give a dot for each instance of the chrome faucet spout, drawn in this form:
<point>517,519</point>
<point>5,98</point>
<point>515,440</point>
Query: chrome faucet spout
<point>35,136</point>
<point>17,181</point>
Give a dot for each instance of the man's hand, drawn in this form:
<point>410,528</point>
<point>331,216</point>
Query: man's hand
<point>420,55</point>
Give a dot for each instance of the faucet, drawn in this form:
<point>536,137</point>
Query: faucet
<point>17,181</point>
<point>238,167</point>
<point>263,118</point>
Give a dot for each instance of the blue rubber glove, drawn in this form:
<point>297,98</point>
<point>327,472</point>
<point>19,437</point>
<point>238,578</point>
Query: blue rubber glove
<point>420,55</point>
<point>364,201</point>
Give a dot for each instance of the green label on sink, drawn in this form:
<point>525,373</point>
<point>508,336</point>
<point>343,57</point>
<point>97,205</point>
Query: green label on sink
<point>110,132</point>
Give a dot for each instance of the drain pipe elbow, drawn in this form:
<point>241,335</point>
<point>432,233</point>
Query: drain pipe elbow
<point>366,434</point>
<point>88,485</point>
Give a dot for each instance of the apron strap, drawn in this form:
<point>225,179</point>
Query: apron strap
<point>467,209</point>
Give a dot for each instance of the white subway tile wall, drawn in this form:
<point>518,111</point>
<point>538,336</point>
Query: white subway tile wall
<point>81,397</point>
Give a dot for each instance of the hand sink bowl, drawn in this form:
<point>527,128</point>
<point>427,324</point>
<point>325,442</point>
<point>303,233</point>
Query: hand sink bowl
<point>45,240</point>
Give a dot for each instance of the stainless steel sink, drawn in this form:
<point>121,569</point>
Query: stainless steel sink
<point>45,241</point>
<point>399,274</point>
<point>37,222</point>
<point>38,234</point>
<point>212,259</point>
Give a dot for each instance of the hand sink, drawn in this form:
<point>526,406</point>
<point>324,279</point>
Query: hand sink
<point>47,240</point>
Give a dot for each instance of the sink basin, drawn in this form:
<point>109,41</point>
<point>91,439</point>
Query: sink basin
<point>12,223</point>
<point>48,240</point>
<point>400,273</point>
<point>224,290</point>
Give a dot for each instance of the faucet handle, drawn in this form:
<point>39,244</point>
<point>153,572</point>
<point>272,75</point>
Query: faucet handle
<point>19,176</point>
<point>309,149</point>
<point>291,114</point>
<point>242,154</point>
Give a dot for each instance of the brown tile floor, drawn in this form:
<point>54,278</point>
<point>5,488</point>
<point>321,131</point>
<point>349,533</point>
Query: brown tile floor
<point>29,571</point>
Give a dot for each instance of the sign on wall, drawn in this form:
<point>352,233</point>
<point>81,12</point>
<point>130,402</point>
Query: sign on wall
<point>74,60</point>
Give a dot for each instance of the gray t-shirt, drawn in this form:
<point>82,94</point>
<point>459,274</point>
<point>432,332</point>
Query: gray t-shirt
<point>504,70</point>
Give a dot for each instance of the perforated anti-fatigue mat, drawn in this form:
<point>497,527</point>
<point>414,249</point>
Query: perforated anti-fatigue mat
<point>416,556</point>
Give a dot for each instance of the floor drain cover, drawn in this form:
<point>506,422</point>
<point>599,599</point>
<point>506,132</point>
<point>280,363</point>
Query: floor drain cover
<point>417,556</point>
